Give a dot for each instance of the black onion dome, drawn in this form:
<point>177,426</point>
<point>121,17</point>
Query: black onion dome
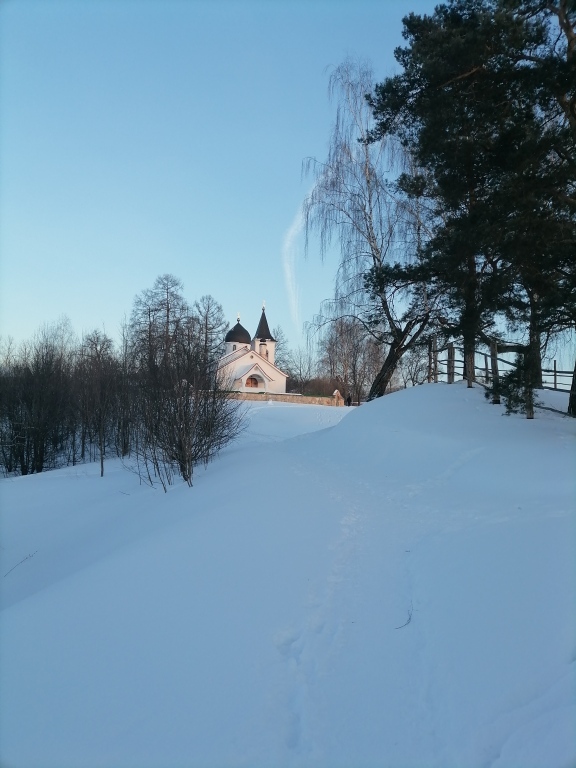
<point>238,334</point>
<point>263,331</point>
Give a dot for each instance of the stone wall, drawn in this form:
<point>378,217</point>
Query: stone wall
<point>336,399</point>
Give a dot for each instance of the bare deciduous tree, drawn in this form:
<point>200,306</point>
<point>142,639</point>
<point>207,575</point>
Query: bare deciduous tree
<point>282,354</point>
<point>36,416</point>
<point>354,201</point>
<point>349,356</point>
<point>302,367</point>
<point>157,399</point>
<point>100,370</point>
<point>413,368</point>
<point>183,414</point>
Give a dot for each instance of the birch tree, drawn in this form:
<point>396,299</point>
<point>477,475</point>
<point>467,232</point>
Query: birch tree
<point>354,202</point>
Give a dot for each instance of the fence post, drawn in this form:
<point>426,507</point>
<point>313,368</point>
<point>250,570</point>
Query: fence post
<point>430,360</point>
<point>486,375</point>
<point>451,363</point>
<point>555,379</point>
<point>435,358</point>
<point>495,374</point>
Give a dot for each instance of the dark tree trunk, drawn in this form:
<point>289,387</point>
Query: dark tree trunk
<point>469,372</point>
<point>384,377</point>
<point>532,365</point>
<point>470,319</point>
<point>432,360</point>
<point>528,384</point>
<point>101,447</point>
<point>450,363</point>
<point>572,399</point>
<point>495,373</point>
<point>534,356</point>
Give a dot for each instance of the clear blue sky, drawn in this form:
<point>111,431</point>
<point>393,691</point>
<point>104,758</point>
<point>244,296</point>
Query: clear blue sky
<point>139,137</point>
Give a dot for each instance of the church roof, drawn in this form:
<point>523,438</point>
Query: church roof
<point>234,358</point>
<point>263,331</point>
<point>238,334</point>
<point>244,371</point>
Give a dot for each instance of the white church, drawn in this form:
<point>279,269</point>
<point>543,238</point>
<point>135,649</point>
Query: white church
<point>248,364</point>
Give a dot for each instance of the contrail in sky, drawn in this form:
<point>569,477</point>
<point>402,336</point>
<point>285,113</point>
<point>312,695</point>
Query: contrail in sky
<point>289,256</point>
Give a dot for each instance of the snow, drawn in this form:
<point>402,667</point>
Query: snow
<point>390,585</point>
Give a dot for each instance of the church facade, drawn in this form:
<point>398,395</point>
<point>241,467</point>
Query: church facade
<point>248,364</point>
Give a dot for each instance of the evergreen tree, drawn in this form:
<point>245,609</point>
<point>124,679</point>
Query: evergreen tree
<point>487,118</point>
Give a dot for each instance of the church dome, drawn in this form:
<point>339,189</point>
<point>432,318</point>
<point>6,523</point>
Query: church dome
<point>238,335</point>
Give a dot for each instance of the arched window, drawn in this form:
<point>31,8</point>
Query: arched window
<point>251,381</point>
<point>233,347</point>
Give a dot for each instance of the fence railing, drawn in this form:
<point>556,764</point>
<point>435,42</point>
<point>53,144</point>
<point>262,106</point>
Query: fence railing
<point>451,367</point>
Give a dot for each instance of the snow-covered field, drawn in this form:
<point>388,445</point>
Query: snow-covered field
<point>393,585</point>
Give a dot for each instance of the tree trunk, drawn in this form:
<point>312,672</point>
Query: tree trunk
<point>528,385</point>
<point>529,403</point>
<point>534,354</point>
<point>385,374</point>
<point>469,358</point>
<point>572,399</point>
<point>450,363</point>
<point>532,367</point>
<point>101,447</point>
<point>470,319</point>
<point>495,373</point>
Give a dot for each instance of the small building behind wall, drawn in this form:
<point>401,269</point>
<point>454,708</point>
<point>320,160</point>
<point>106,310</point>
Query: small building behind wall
<point>248,364</point>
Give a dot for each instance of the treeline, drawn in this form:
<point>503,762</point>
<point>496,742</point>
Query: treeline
<point>155,399</point>
<point>342,354</point>
<point>451,186</point>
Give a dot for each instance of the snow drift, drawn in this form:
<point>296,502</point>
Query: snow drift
<point>392,585</point>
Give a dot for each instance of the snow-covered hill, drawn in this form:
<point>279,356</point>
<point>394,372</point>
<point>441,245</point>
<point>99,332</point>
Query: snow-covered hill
<point>393,585</point>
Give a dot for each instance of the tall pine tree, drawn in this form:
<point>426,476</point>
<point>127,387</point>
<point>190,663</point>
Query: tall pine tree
<point>484,102</point>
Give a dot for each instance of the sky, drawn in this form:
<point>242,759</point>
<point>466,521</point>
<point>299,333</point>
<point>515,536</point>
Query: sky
<point>143,137</point>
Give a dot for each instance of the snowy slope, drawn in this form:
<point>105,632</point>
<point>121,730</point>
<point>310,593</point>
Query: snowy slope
<point>393,585</point>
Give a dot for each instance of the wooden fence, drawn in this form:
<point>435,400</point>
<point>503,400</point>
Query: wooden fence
<point>451,366</point>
